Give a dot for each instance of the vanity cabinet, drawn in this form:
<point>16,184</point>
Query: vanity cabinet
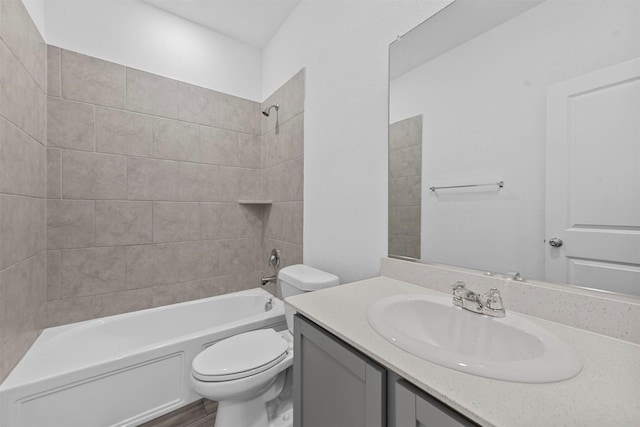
<point>336,385</point>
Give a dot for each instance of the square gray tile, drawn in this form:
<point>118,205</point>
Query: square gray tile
<point>123,132</point>
<point>218,221</point>
<point>92,80</point>
<point>151,265</point>
<point>23,295</point>
<point>93,176</point>
<point>21,228</point>
<point>22,162</point>
<point>22,101</point>
<point>70,223</point>
<point>198,105</point>
<point>218,146</point>
<point>176,140</point>
<point>151,94</point>
<point>175,222</point>
<point>92,271</point>
<point>239,114</point>
<point>70,124</point>
<point>151,179</point>
<point>123,222</point>
<point>200,183</point>
<point>249,151</point>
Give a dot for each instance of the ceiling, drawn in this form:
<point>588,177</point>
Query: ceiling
<point>253,22</point>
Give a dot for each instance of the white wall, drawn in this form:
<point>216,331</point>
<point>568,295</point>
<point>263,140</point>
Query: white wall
<point>138,35</point>
<point>344,47</point>
<point>484,107</point>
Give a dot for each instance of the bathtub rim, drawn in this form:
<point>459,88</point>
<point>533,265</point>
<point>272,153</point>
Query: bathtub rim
<point>20,376</point>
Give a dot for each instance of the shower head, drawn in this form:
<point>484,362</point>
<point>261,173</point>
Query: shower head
<point>267,111</point>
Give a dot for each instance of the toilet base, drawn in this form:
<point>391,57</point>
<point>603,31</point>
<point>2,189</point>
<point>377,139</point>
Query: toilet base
<point>280,409</point>
<point>254,412</point>
<point>284,420</point>
<point>234,414</point>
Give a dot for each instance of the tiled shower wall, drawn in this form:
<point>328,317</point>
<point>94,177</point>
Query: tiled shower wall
<point>283,166</point>
<point>405,194</point>
<point>23,84</point>
<point>133,203</point>
<point>144,176</point>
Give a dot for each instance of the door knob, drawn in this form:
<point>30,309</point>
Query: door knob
<point>556,242</point>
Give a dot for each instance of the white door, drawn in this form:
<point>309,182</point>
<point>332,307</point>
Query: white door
<point>593,179</point>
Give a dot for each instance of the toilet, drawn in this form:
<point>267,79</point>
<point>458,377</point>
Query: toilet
<point>248,372</point>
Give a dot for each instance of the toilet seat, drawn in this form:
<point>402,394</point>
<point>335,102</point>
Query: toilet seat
<point>240,356</point>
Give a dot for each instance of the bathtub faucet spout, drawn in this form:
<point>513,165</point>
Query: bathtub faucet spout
<point>269,279</point>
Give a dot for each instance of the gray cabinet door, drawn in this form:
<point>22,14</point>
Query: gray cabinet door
<point>413,408</point>
<point>333,384</point>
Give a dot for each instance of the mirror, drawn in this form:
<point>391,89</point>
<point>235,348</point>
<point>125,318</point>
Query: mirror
<point>405,196</point>
<point>530,153</point>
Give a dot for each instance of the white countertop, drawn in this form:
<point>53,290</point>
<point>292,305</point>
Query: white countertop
<point>605,393</point>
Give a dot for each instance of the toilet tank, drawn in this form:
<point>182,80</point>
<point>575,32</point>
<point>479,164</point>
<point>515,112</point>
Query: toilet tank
<point>300,278</point>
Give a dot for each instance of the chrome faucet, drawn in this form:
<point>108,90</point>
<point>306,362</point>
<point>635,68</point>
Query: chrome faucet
<point>269,279</point>
<point>273,261</point>
<point>489,303</point>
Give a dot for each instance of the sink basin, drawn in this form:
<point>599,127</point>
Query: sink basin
<point>509,348</point>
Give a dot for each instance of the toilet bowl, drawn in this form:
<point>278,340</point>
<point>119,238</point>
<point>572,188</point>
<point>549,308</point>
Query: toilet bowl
<point>245,372</point>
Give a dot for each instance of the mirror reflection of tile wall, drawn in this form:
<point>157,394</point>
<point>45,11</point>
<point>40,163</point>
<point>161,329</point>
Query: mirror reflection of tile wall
<point>405,171</point>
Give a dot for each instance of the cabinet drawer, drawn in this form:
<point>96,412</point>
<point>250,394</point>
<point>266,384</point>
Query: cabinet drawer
<point>414,408</point>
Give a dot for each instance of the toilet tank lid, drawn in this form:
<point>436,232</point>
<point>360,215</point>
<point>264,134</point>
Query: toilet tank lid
<point>307,278</point>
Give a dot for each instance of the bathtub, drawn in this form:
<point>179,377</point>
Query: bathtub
<point>126,369</point>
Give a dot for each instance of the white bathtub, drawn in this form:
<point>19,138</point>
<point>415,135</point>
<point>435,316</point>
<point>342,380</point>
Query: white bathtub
<point>126,369</point>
